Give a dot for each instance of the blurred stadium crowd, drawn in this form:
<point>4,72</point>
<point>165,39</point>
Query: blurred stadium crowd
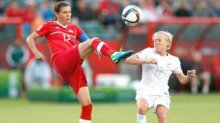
<point>108,12</point>
<point>100,18</point>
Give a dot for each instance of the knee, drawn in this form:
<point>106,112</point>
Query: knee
<point>94,39</point>
<point>162,115</point>
<point>161,112</point>
<point>142,109</point>
<point>142,106</point>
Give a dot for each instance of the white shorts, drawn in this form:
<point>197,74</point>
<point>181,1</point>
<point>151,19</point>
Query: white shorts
<point>154,100</point>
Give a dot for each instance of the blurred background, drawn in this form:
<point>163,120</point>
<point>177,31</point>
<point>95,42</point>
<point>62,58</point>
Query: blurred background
<point>194,24</point>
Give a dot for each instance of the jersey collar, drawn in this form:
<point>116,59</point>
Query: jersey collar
<point>160,55</point>
<point>60,24</point>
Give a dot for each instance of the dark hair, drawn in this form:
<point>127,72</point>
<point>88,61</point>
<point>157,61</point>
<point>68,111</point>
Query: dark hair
<point>60,5</point>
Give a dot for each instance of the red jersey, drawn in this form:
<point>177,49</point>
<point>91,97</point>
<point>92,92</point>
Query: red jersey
<point>61,37</point>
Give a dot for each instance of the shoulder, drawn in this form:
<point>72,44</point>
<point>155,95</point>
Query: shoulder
<point>74,26</point>
<point>48,23</point>
<point>148,50</point>
<point>77,29</point>
<point>174,58</point>
<point>45,25</point>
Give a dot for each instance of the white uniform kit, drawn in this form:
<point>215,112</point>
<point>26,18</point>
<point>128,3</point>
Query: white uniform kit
<point>154,82</point>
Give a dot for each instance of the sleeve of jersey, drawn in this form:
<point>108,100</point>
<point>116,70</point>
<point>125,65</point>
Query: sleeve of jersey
<point>178,68</point>
<point>42,30</point>
<point>81,36</point>
<point>143,54</point>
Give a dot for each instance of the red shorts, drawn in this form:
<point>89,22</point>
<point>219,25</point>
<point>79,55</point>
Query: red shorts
<point>68,66</point>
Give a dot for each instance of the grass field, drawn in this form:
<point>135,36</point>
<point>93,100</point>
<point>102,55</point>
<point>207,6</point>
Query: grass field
<point>185,108</point>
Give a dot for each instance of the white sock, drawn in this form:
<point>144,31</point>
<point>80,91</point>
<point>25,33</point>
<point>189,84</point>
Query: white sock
<point>205,90</point>
<point>84,121</point>
<point>194,90</point>
<point>141,118</point>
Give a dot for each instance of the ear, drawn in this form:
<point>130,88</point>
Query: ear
<point>168,45</point>
<point>55,14</point>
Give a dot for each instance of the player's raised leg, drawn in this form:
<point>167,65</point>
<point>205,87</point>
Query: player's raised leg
<point>95,44</point>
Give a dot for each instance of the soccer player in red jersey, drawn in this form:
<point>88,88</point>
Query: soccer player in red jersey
<point>70,46</point>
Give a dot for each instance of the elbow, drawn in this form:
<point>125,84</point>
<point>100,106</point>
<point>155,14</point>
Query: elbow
<point>183,82</point>
<point>127,60</point>
<point>27,39</point>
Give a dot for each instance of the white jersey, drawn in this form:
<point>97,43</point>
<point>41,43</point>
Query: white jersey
<point>155,78</point>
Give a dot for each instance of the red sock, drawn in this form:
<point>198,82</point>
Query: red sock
<point>86,112</point>
<point>102,48</point>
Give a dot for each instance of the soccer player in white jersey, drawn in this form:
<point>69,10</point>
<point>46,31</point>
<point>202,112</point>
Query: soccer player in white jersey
<point>157,66</point>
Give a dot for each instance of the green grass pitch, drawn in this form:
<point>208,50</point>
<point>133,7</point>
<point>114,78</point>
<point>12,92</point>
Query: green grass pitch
<point>185,108</point>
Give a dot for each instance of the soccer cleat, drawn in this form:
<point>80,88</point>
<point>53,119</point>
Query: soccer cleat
<point>117,56</point>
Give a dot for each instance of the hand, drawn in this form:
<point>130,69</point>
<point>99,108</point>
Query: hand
<point>191,73</point>
<point>39,56</point>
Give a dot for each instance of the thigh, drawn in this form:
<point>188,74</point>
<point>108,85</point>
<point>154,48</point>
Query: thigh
<point>76,80</point>
<point>67,61</point>
<point>142,106</point>
<point>161,110</point>
<point>144,103</point>
<point>163,101</point>
<point>143,98</point>
<point>85,48</point>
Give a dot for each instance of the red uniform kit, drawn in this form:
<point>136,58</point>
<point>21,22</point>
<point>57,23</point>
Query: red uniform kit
<point>63,42</point>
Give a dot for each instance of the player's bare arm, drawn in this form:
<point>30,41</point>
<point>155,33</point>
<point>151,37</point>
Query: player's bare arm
<point>31,44</point>
<point>186,78</point>
<point>135,60</point>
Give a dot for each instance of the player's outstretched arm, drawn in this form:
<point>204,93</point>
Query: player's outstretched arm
<point>135,60</point>
<point>186,78</point>
<point>31,44</point>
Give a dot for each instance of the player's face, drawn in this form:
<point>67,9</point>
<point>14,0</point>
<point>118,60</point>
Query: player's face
<point>160,43</point>
<point>64,15</point>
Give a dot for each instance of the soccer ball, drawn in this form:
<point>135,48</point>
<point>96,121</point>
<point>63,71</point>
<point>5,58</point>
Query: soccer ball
<point>131,15</point>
